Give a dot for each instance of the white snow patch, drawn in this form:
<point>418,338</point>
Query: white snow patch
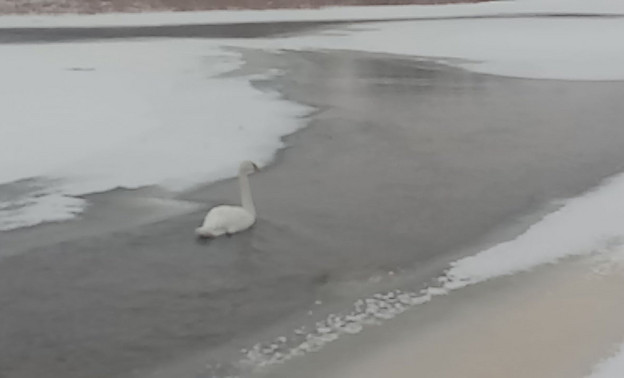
<point>127,114</point>
<point>585,225</point>
<point>493,8</point>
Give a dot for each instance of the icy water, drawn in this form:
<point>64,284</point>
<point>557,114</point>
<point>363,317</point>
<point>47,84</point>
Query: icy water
<point>404,164</point>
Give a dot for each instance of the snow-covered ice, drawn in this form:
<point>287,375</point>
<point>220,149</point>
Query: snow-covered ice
<point>586,225</point>
<point>90,117</point>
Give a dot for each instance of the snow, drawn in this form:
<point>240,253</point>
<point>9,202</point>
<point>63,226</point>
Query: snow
<point>493,8</point>
<point>583,226</point>
<point>613,367</point>
<point>97,116</point>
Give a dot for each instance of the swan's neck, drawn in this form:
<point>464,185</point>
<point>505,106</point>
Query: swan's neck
<point>245,192</point>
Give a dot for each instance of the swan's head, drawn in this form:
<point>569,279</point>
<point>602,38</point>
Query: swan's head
<point>248,167</point>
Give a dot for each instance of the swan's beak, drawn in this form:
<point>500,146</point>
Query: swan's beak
<point>255,167</point>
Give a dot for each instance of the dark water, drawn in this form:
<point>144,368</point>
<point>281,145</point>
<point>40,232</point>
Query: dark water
<point>404,164</point>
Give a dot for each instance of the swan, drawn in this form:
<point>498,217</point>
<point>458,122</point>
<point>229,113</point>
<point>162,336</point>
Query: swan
<point>227,219</point>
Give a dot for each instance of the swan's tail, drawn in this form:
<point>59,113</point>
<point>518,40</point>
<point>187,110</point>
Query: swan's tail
<point>202,232</point>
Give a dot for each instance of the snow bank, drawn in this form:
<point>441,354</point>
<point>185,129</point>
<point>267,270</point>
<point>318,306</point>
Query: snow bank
<point>500,7</point>
<point>125,114</point>
<point>585,225</point>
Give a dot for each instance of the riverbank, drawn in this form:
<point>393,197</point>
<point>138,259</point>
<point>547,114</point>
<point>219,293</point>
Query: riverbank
<point>558,321</point>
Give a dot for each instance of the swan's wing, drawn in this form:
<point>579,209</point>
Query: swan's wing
<point>228,219</point>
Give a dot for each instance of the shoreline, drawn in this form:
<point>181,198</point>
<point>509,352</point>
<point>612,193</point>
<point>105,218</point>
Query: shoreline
<point>558,321</point>
<point>86,7</point>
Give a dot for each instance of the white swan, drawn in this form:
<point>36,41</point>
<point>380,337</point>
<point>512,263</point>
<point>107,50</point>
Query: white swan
<point>226,219</point>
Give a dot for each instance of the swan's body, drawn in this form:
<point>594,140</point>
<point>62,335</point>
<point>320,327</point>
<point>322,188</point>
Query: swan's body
<point>227,219</point>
